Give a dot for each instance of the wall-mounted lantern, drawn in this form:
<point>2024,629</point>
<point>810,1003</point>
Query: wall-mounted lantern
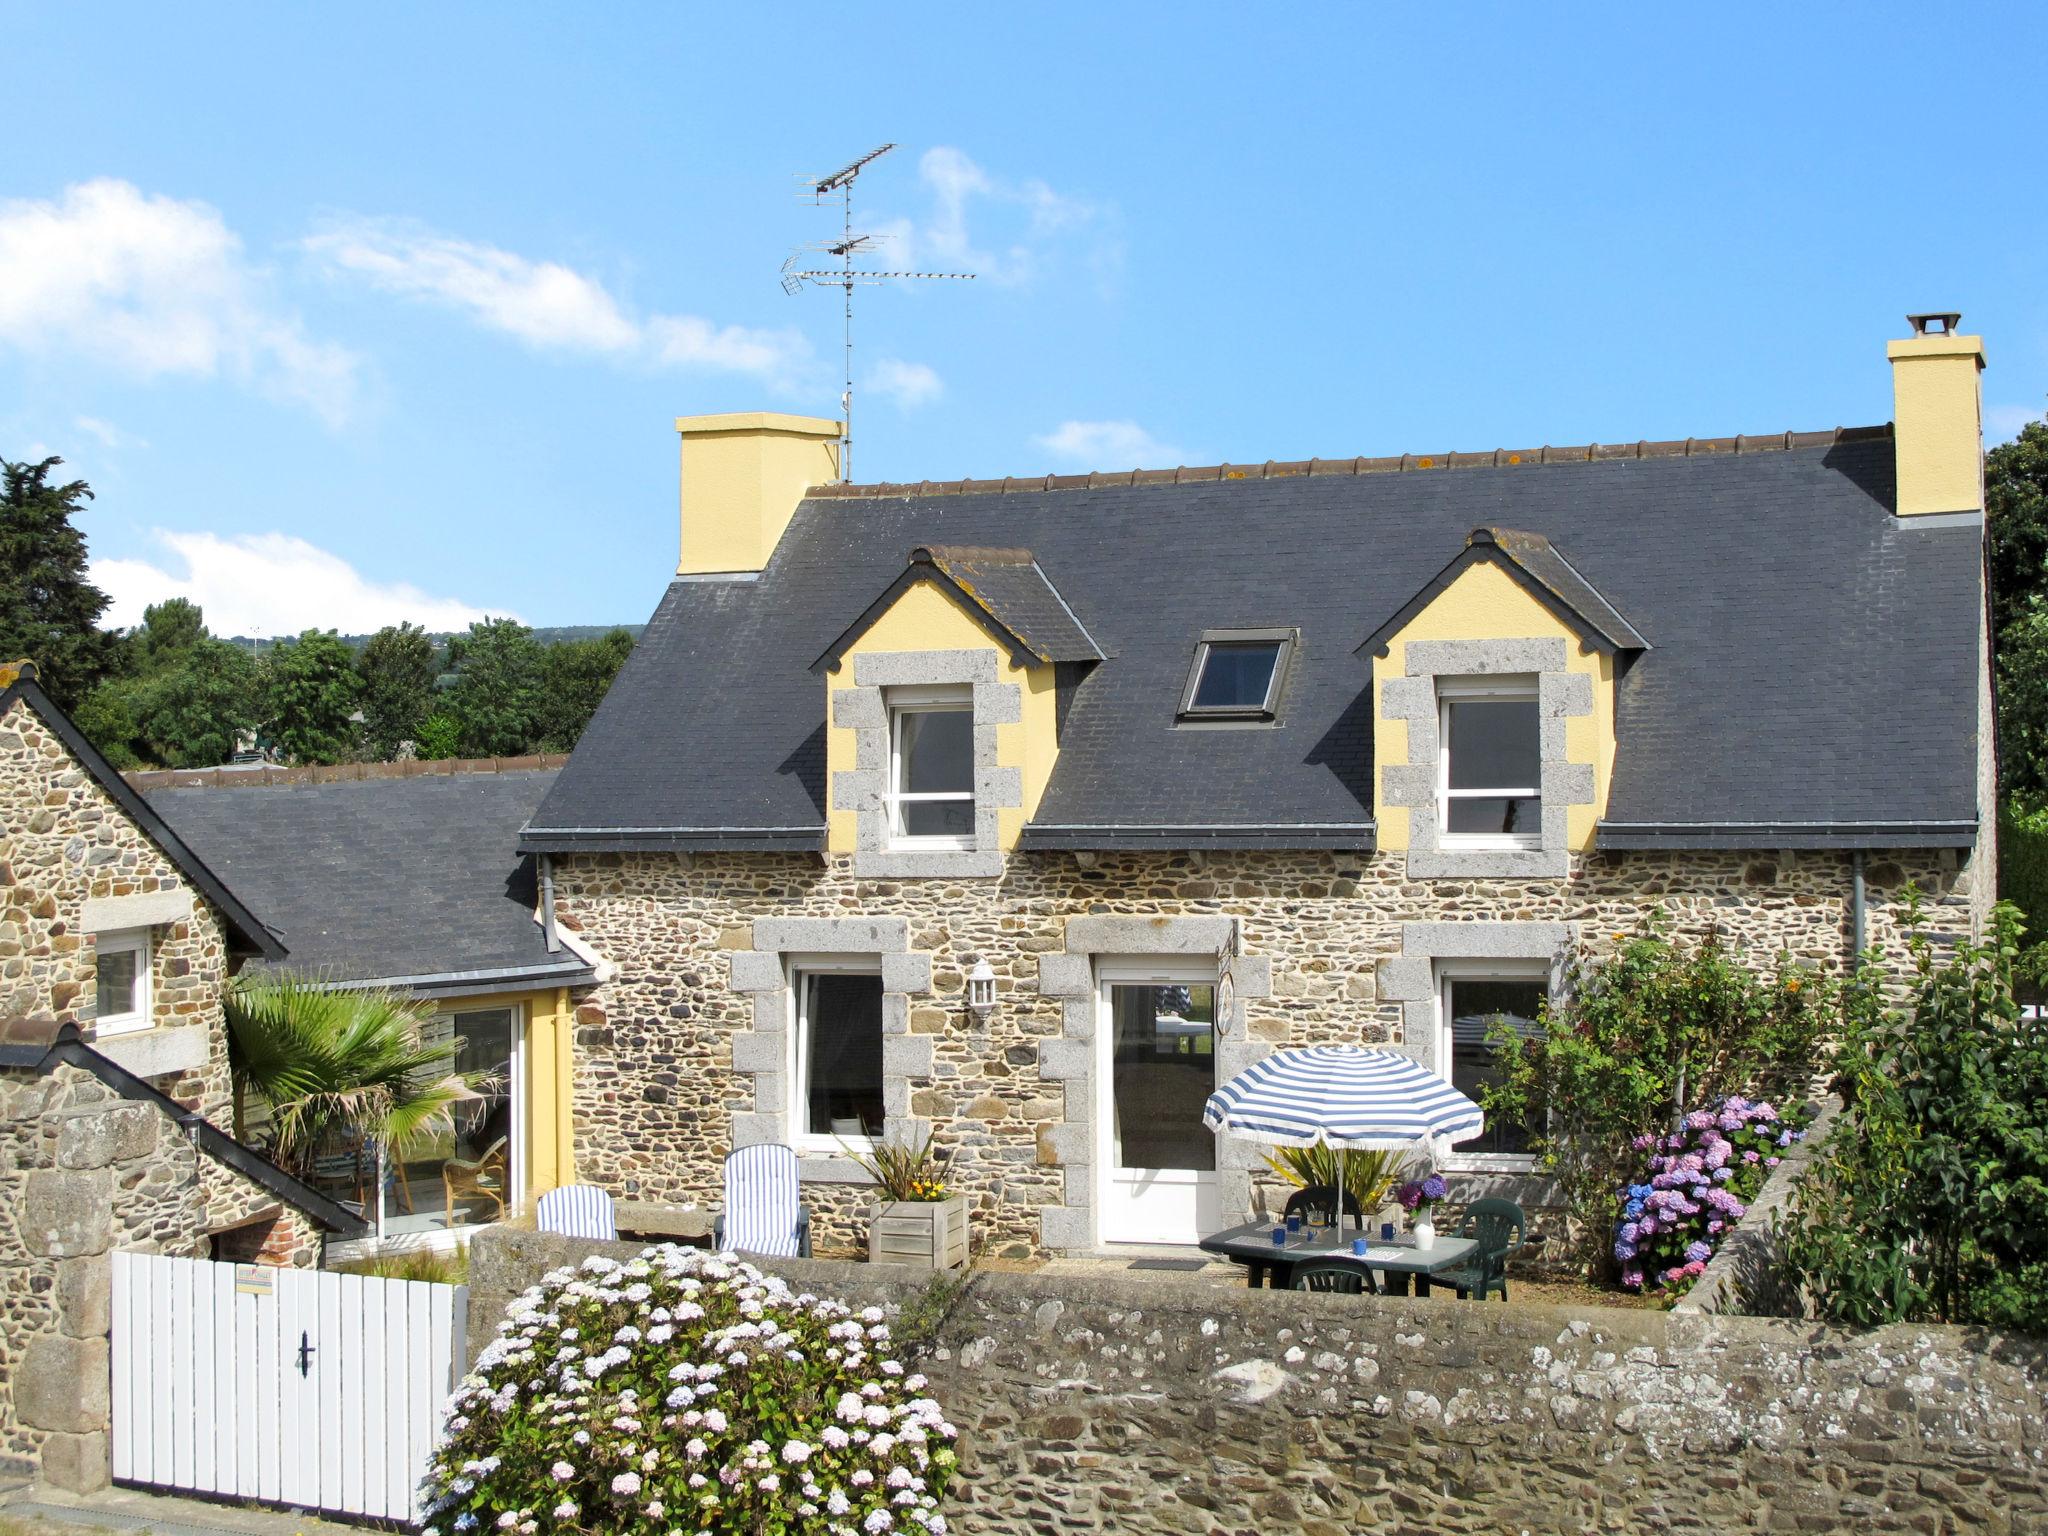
<point>981,990</point>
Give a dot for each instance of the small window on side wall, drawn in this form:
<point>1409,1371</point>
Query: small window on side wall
<point>1237,675</point>
<point>1489,763</point>
<point>122,1004</point>
<point>931,768</point>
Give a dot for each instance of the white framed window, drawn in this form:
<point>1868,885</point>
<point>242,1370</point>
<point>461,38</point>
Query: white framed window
<point>1237,675</point>
<point>835,1070</point>
<point>123,1002</point>
<point>1473,997</point>
<point>1489,763</point>
<point>931,768</point>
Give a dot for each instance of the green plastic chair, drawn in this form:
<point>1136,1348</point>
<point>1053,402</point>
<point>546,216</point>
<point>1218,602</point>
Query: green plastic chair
<point>1335,1275</point>
<point>1500,1228</point>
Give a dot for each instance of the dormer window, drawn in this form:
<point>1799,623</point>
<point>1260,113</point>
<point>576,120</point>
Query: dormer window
<point>1237,675</point>
<point>931,768</point>
<point>1489,763</point>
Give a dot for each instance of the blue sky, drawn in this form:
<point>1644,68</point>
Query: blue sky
<point>350,313</point>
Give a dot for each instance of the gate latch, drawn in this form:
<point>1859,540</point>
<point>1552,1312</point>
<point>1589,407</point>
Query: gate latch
<point>306,1353</point>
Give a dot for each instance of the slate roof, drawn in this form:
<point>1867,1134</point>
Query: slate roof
<point>1003,589</point>
<point>412,881</point>
<point>1812,677</point>
<point>247,933</point>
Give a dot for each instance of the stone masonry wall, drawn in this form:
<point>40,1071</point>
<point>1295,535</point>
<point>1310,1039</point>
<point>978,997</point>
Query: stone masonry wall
<point>1139,1406</point>
<point>657,1087</point>
<point>62,842</point>
<point>83,1173</point>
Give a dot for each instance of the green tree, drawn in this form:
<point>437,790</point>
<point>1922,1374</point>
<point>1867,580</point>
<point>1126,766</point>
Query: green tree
<point>110,720</point>
<point>49,609</point>
<point>192,714</point>
<point>1641,1037</point>
<point>440,737</point>
<point>397,668</point>
<point>1929,1199</point>
<point>2016,517</point>
<point>495,702</point>
<point>575,675</point>
<point>310,692</point>
<point>171,630</point>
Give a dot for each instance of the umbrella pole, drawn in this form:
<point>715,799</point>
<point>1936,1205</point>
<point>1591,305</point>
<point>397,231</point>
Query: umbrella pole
<point>1344,1190</point>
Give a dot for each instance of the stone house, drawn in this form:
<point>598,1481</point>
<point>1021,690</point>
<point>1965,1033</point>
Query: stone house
<point>405,877</point>
<point>116,941</point>
<point>1192,764</point>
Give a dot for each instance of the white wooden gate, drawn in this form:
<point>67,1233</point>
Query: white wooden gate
<point>288,1386</point>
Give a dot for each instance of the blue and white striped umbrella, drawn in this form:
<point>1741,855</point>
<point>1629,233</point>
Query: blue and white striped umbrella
<point>1345,1095</point>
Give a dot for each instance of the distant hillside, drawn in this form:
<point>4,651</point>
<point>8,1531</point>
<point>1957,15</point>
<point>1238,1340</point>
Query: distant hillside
<point>555,636</point>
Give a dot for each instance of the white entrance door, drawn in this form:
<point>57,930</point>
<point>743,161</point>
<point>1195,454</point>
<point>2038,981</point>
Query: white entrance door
<point>1156,1067</point>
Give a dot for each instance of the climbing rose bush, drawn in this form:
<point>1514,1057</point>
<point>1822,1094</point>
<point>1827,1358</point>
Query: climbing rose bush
<point>1701,1179</point>
<point>682,1392</point>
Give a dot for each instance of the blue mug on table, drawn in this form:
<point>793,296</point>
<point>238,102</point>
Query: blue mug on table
<point>1386,1231</point>
<point>1294,1223</point>
<point>1358,1247</point>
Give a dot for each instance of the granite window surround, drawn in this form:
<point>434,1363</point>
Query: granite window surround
<point>1069,1060</point>
<point>864,710</point>
<point>762,1053</point>
<point>1413,698</point>
<point>1413,980</point>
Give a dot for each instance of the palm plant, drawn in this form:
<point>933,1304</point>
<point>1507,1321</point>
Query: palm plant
<point>1368,1177</point>
<point>325,1062</point>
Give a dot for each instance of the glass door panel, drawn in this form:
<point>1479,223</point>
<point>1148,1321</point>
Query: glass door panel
<point>1161,1050</point>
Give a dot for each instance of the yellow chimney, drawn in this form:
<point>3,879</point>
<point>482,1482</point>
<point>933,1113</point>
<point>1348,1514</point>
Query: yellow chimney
<point>1937,417</point>
<point>743,475</point>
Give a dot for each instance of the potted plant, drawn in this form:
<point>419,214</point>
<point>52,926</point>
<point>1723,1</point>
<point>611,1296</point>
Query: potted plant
<point>918,1222</point>
<point>1368,1176</point>
<point>1418,1197</point>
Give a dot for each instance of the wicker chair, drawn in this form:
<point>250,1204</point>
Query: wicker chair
<point>1335,1275</point>
<point>484,1177</point>
<point>1500,1228</point>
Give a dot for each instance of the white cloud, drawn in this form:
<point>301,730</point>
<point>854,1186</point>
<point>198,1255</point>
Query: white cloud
<point>153,287</point>
<point>910,385</point>
<point>544,304</point>
<point>1032,219</point>
<point>269,584</point>
<point>110,436</point>
<point>2002,423</point>
<point>1109,445</point>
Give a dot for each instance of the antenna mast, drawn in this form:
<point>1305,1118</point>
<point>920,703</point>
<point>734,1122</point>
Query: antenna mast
<point>846,276</point>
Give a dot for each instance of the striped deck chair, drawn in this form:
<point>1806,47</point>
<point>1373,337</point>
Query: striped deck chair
<point>577,1210</point>
<point>762,1211</point>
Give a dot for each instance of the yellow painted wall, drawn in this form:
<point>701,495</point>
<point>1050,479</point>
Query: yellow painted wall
<point>926,618</point>
<point>742,477</point>
<point>549,1044</point>
<point>1937,423</point>
<point>1485,603</point>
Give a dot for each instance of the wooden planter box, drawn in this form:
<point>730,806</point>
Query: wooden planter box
<point>924,1234</point>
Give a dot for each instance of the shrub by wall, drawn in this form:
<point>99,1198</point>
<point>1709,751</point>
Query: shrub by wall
<point>1136,1405</point>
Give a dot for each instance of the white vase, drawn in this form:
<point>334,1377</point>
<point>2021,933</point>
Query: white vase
<point>1424,1228</point>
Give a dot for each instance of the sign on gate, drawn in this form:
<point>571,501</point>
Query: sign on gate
<point>283,1385</point>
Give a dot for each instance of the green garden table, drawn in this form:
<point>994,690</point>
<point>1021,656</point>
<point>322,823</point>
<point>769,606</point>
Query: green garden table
<point>1269,1264</point>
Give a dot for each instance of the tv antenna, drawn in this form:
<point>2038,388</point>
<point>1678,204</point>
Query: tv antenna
<point>846,276</point>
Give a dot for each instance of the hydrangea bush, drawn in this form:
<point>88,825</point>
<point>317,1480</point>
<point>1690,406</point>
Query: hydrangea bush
<point>682,1392</point>
<point>1701,1179</point>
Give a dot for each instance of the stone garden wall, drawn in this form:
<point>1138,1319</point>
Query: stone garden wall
<point>680,1047</point>
<point>84,1172</point>
<point>1158,1405</point>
